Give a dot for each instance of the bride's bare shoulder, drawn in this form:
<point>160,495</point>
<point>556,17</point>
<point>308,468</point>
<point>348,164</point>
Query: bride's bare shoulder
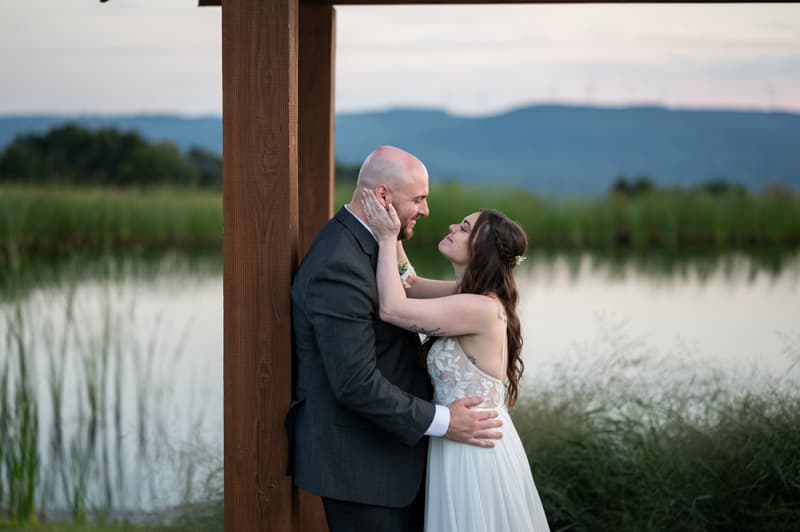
<point>483,308</point>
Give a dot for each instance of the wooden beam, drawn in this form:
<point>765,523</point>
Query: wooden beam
<point>442,2</point>
<point>316,119</point>
<point>259,80</point>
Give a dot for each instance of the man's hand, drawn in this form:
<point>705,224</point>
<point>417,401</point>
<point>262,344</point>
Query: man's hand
<point>473,426</point>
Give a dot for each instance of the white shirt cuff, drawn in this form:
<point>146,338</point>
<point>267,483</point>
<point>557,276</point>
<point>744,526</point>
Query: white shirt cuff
<point>440,423</point>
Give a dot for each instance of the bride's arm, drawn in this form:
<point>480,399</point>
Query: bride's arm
<point>451,315</point>
<point>421,287</point>
<point>445,316</point>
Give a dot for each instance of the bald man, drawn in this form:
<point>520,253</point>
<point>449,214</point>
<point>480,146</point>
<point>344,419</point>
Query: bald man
<point>358,425</point>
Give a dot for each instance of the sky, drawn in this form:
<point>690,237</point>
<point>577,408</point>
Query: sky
<point>164,56</point>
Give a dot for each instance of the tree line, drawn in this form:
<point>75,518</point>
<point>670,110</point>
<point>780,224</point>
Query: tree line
<point>643,185</point>
<point>72,154</point>
<point>75,155</point>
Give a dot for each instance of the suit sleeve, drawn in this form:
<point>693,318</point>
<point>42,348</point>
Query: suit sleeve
<point>339,306</point>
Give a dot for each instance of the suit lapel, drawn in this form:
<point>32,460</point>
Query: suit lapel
<point>365,240</point>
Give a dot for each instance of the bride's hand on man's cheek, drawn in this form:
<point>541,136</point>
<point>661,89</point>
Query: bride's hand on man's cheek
<point>379,219</point>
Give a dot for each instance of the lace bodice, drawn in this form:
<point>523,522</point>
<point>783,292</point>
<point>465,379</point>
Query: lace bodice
<point>455,376</point>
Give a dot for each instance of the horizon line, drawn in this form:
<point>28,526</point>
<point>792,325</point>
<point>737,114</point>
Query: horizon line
<point>408,107</point>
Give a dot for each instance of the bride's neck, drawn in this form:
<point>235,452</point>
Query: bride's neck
<point>459,271</point>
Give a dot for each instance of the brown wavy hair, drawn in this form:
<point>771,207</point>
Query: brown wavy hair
<point>496,242</point>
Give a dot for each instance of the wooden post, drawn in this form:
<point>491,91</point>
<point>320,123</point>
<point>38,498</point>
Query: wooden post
<point>315,168</point>
<point>259,80</point>
<point>316,119</point>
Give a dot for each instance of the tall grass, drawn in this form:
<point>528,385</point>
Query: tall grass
<point>108,437</point>
<point>19,419</point>
<point>59,220</point>
<point>54,219</point>
<point>630,444</point>
<point>663,220</point>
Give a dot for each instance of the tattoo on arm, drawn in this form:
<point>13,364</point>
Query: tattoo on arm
<point>426,332</point>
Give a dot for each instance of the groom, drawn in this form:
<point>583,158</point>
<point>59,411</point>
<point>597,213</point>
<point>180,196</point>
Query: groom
<point>357,428</point>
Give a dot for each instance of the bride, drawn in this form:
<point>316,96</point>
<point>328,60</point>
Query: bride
<point>473,349</point>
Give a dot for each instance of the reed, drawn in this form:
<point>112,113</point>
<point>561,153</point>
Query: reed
<point>61,220</point>
<point>654,452</point>
<point>19,470</point>
<point>86,473</point>
<point>662,220</point>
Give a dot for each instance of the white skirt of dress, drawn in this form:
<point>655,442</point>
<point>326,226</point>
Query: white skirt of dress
<point>473,489</point>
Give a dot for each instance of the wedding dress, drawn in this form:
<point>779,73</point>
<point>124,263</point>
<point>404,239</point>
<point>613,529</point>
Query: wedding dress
<point>474,489</point>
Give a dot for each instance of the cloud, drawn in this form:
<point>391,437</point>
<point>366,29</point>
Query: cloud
<point>511,55</point>
<point>165,55</point>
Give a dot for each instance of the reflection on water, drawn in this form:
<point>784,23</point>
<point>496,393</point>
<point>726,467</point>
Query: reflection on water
<point>728,313</point>
<point>126,354</point>
<point>734,268</point>
<point>125,363</point>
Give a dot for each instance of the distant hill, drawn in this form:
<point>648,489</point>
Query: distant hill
<point>553,150</point>
<point>205,132</point>
<point>577,150</point>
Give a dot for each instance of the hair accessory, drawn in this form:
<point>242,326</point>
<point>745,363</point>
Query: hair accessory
<point>518,259</point>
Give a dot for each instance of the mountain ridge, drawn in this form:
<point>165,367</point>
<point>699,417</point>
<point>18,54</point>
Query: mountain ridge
<point>550,149</point>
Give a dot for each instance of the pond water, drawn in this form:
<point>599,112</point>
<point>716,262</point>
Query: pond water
<point>126,367</point>
<point>723,313</point>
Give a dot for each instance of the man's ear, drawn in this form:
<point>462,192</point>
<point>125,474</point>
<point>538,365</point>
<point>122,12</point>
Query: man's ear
<point>383,194</point>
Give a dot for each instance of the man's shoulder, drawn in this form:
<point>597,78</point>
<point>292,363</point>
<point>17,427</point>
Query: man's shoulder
<point>334,263</point>
<point>333,240</point>
<point>335,247</point>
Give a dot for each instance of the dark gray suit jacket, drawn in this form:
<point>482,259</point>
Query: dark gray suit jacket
<point>361,410</point>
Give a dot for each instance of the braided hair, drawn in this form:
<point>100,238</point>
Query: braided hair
<point>496,245</point>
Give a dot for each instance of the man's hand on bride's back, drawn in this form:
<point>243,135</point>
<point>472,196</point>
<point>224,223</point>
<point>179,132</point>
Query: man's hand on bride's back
<point>474,427</point>
<point>383,220</point>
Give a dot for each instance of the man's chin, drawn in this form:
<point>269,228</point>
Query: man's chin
<point>405,234</point>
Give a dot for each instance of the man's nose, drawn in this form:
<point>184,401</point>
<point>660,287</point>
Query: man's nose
<point>424,208</point>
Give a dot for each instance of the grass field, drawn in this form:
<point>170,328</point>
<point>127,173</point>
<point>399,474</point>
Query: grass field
<point>209,519</point>
<point>708,461</point>
<point>61,220</point>
<point>666,220</point>
<point>58,220</point>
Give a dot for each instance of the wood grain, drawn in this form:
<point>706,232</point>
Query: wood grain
<point>316,119</point>
<point>315,170</point>
<point>260,211</point>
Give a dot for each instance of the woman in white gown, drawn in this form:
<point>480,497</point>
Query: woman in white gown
<point>473,350</point>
